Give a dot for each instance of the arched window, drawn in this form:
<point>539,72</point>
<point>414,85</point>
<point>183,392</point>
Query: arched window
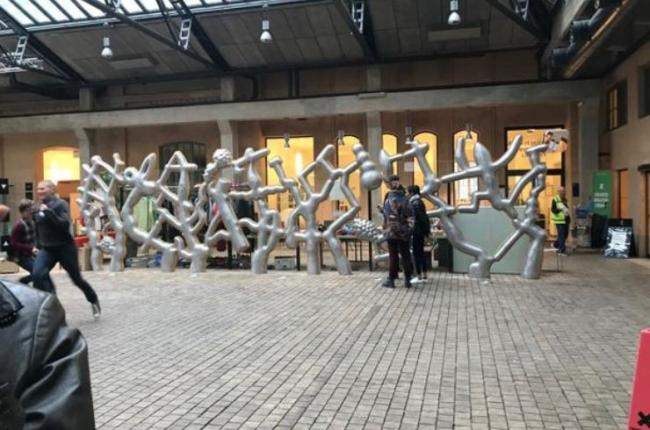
<point>61,163</point>
<point>295,156</point>
<point>463,189</point>
<point>194,152</point>
<point>431,156</point>
<point>345,156</point>
<point>388,144</point>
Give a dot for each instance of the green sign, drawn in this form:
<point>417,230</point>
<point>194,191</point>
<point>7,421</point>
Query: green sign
<point>602,189</point>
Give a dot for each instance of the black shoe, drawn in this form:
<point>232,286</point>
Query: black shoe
<point>424,275</point>
<point>97,310</point>
<point>388,283</point>
<point>407,283</point>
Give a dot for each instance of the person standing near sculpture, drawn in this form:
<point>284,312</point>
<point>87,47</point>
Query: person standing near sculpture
<point>560,217</point>
<point>397,226</point>
<point>421,230</point>
<point>56,245</point>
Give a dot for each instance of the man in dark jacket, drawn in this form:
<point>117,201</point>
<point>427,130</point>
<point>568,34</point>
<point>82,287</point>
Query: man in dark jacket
<point>397,219</point>
<point>44,376</point>
<point>56,245</point>
<point>421,230</point>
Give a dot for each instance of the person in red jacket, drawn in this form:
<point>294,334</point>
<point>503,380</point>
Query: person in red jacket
<point>23,240</point>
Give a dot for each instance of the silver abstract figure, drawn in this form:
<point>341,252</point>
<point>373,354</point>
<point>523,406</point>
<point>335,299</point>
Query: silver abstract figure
<point>96,198</point>
<point>368,231</point>
<point>199,231</point>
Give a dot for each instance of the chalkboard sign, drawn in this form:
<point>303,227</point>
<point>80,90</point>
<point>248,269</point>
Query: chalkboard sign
<point>619,242</point>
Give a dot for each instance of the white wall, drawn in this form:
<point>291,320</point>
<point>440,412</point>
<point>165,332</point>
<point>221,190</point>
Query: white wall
<point>629,145</point>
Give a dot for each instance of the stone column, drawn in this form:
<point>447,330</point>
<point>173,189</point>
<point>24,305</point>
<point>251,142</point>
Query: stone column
<point>229,139</point>
<point>86,99</point>
<point>587,150</point>
<point>227,87</point>
<point>87,145</point>
<point>373,79</point>
<point>374,144</point>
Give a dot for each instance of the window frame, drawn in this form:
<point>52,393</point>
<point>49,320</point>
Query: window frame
<point>644,90</point>
<point>620,90</point>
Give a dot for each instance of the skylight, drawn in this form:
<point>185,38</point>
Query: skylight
<point>57,13</point>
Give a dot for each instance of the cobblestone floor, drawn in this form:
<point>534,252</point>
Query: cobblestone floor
<point>284,350</point>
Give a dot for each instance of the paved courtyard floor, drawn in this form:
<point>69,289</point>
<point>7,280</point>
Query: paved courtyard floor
<point>227,349</point>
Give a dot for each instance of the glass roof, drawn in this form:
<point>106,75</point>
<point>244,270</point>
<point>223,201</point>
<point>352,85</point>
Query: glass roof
<point>45,14</point>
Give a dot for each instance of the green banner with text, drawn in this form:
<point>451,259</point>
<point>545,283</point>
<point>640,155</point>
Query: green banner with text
<point>602,186</point>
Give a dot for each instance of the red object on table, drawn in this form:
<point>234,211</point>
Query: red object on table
<point>640,404</point>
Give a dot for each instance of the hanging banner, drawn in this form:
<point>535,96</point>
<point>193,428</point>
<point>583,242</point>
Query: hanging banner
<point>602,189</point>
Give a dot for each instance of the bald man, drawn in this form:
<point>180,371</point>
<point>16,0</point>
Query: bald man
<point>56,244</point>
<point>560,217</point>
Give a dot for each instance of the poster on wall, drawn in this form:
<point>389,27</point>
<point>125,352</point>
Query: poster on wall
<point>602,189</point>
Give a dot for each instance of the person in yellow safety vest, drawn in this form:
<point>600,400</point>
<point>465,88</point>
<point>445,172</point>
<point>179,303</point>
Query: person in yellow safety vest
<point>560,217</point>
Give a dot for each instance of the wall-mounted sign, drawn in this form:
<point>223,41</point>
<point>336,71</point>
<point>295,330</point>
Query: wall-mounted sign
<point>602,190</point>
<point>4,186</point>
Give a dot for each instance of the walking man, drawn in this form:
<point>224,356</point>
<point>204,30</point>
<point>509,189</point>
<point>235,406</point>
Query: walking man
<point>421,230</point>
<point>56,244</point>
<point>397,219</point>
<point>560,217</point>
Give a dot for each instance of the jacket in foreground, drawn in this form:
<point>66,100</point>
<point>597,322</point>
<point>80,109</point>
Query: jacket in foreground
<point>44,375</point>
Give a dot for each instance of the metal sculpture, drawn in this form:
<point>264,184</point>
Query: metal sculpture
<point>486,170</point>
<point>199,229</point>
<point>97,197</point>
<point>367,230</point>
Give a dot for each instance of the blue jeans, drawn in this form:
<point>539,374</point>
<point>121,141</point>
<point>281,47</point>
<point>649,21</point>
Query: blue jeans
<point>27,263</point>
<point>66,255</point>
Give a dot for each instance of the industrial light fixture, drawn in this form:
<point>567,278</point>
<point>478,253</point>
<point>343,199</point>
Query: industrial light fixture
<point>468,128</point>
<point>408,132</point>
<point>454,16</point>
<point>339,137</point>
<point>287,138</point>
<point>265,36</point>
<point>107,52</point>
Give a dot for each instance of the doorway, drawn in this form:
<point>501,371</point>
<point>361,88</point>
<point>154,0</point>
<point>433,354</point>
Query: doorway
<point>555,168</point>
<point>623,193</point>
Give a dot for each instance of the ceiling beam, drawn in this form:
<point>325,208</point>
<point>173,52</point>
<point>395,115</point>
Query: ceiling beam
<point>145,30</point>
<point>568,12</point>
<point>312,107</point>
<point>201,35</point>
<point>53,93</point>
<point>526,25</point>
<point>599,37</point>
<point>41,49</point>
<point>365,39</point>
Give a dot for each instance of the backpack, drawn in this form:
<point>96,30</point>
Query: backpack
<point>398,216</point>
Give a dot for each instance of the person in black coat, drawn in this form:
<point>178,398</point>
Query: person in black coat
<point>421,230</point>
<point>56,245</point>
<point>44,373</point>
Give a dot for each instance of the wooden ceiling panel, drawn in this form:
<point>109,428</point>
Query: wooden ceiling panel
<point>320,20</point>
<point>310,50</point>
<point>383,17</point>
